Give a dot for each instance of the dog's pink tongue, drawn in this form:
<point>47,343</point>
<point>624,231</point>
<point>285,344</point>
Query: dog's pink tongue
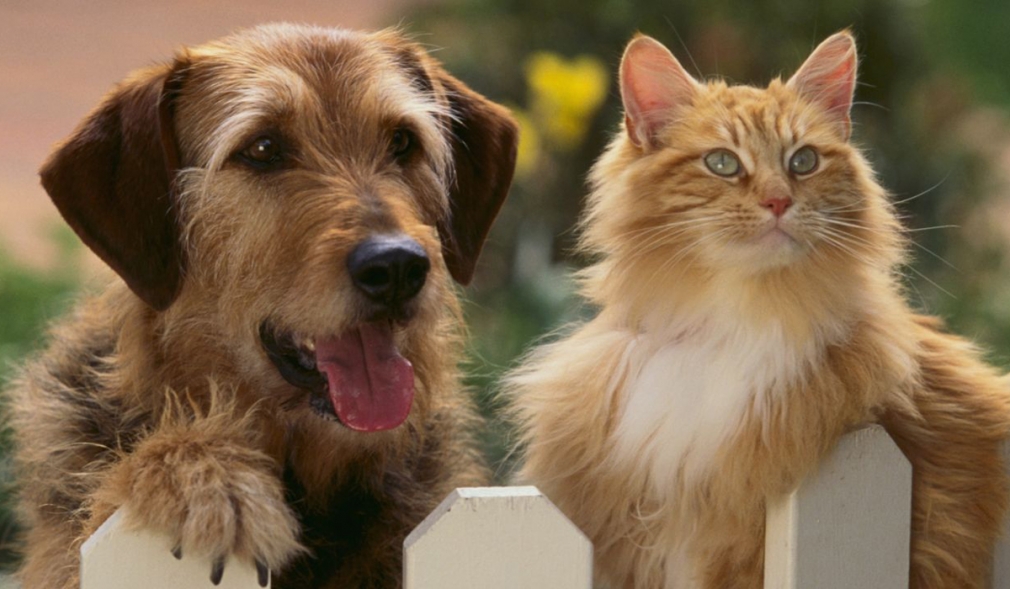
<point>371,384</point>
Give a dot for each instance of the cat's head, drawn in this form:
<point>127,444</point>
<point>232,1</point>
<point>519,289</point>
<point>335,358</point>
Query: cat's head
<point>711,178</point>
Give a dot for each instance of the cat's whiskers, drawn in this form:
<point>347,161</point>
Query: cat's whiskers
<point>854,225</point>
<point>851,225</point>
<point>654,231</point>
<point>676,260</point>
<point>929,280</point>
<point>932,228</point>
<point>846,243</point>
<point>657,241</point>
<point>823,254</point>
<point>873,104</point>
<point>856,208</point>
<point>924,192</point>
<point>845,208</point>
<point>912,241</point>
<point>664,227</point>
<point>667,265</point>
<point>935,255</point>
<point>849,236</point>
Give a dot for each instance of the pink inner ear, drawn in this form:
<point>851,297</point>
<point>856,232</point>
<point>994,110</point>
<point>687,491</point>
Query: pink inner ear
<point>843,80</point>
<point>828,77</point>
<point>653,86</point>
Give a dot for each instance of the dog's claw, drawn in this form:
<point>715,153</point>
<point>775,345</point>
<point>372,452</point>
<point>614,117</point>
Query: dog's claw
<point>262,573</point>
<point>217,572</point>
<point>177,552</point>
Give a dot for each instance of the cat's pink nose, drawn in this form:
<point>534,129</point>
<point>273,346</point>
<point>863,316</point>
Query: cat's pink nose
<point>777,205</point>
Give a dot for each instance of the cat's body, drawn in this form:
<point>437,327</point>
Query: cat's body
<point>747,321</point>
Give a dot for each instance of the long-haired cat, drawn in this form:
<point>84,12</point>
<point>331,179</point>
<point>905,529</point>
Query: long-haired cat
<point>750,313</point>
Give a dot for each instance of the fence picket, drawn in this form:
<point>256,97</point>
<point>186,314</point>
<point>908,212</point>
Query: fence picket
<point>117,557</point>
<point>497,538</point>
<point>848,525</point>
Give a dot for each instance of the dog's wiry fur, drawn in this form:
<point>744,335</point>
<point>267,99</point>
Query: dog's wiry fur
<point>157,395</point>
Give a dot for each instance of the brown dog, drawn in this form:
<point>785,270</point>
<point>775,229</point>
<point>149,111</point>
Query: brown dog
<point>275,378</point>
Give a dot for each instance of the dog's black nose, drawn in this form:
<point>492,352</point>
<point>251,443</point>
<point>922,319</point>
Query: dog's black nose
<point>389,269</point>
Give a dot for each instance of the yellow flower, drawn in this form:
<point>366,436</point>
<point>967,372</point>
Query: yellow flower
<point>565,94</point>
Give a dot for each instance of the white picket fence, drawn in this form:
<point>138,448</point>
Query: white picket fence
<point>845,527</point>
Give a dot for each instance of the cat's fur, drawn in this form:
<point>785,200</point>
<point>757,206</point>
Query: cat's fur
<point>732,347</point>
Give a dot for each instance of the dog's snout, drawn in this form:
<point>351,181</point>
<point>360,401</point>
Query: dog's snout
<point>389,269</point>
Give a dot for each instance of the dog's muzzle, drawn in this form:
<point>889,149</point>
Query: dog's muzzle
<point>359,375</point>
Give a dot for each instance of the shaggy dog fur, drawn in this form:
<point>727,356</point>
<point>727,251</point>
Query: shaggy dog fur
<point>231,191</point>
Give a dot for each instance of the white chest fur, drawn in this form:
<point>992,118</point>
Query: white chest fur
<point>686,395</point>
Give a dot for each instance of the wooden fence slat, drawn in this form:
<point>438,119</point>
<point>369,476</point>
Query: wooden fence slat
<point>116,557</point>
<point>497,538</point>
<point>846,526</point>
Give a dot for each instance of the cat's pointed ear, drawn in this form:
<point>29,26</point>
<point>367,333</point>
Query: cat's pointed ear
<point>828,78</point>
<point>653,87</point>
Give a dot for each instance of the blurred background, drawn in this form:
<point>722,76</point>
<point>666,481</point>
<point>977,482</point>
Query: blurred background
<point>933,113</point>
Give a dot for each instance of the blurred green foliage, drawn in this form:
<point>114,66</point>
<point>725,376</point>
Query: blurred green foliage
<point>28,301</point>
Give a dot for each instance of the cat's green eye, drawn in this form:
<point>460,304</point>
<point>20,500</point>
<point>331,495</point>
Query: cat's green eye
<point>803,161</point>
<point>723,162</point>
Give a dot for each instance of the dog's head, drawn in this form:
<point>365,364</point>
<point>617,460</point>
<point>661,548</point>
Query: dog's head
<point>305,193</point>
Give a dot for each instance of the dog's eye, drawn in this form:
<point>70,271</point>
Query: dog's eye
<point>262,152</point>
<point>401,143</point>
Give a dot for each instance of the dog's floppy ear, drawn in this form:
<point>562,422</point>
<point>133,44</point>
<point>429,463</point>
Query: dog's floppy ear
<point>484,142</point>
<point>111,181</point>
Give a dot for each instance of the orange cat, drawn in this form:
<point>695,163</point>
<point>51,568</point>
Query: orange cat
<point>750,313</point>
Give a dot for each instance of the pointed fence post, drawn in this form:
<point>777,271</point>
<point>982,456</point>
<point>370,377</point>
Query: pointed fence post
<point>848,525</point>
<point>116,557</point>
<point>497,538</point>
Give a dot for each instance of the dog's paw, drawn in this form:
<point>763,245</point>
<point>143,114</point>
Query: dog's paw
<point>213,498</point>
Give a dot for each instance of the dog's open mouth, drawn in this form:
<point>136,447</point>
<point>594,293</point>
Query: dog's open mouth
<point>369,386</point>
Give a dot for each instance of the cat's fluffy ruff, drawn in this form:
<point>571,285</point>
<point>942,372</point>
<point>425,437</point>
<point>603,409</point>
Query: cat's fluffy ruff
<point>717,375</point>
